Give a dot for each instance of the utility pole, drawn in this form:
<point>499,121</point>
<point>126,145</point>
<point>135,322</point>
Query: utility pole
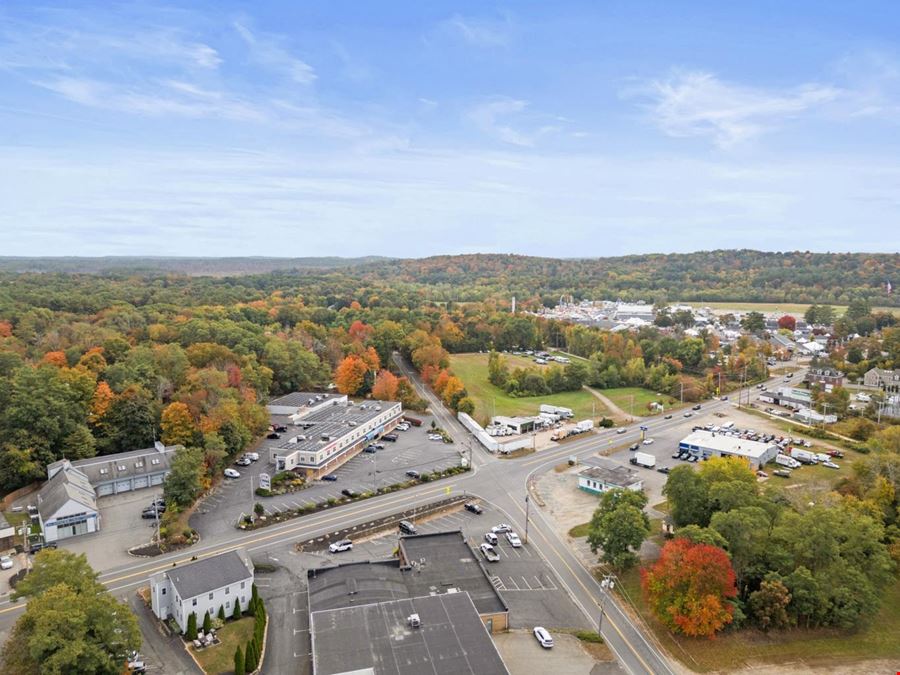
<point>527,512</point>
<point>607,584</point>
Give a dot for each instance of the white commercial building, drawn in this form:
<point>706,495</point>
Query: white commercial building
<point>204,586</point>
<point>300,403</point>
<point>329,436</point>
<point>123,471</point>
<point>599,479</point>
<point>518,425</point>
<point>67,505</point>
<point>712,444</point>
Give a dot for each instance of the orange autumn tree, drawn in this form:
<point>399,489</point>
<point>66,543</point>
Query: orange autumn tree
<point>690,587</point>
<point>386,386</point>
<point>177,424</point>
<point>350,376</point>
<point>100,401</point>
<point>56,359</point>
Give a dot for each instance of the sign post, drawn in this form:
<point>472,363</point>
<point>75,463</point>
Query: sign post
<point>265,481</point>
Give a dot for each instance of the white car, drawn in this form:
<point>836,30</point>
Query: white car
<point>6,562</point>
<point>435,437</point>
<point>231,473</point>
<point>340,546</point>
<point>490,538</point>
<point>513,539</point>
<point>830,465</point>
<point>489,553</point>
<point>621,431</point>
<point>648,441</point>
<point>542,635</point>
<point>252,456</point>
<point>501,528</point>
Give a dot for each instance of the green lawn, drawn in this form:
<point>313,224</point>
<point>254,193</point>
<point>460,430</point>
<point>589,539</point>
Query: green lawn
<point>826,647</point>
<point>621,396</point>
<point>772,307</point>
<point>579,530</point>
<point>490,400</point>
<point>220,658</point>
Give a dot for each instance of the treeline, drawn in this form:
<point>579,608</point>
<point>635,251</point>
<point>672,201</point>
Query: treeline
<point>797,559</point>
<point>534,381</point>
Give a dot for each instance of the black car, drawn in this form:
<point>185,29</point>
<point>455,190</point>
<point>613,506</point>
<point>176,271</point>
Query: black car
<point>634,447</point>
<point>150,514</point>
<point>347,492</point>
<point>412,474</point>
<point>159,503</point>
<point>37,546</point>
<point>663,469</point>
<point>391,438</point>
<point>272,436</point>
<point>472,507</point>
<point>668,417</point>
<point>696,407</point>
<point>676,455</point>
<point>329,477</point>
<point>279,427</point>
<point>407,527</point>
<point>370,449</point>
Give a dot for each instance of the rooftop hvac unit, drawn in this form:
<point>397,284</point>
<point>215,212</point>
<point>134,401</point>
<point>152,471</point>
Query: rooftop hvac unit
<point>413,621</point>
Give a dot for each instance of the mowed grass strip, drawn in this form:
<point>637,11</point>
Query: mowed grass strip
<point>622,397</point>
<point>490,400</point>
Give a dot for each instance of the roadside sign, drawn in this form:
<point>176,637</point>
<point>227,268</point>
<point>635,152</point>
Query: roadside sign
<point>643,428</point>
<point>265,481</point>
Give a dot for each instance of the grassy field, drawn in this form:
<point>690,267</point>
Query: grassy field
<point>621,396</point>
<point>220,659</point>
<point>733,651</point>
<point>491,400</point>
<point>579,530</point>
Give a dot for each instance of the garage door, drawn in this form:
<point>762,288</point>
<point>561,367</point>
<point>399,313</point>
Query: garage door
<point>141,482</point>
<point>123,486</point>
<point>104,490</point>
<point>156,479</point>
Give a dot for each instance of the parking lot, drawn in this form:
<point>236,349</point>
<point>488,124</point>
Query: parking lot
<point>523,578</point>
<point>412,451</point>
<point>121,528</point>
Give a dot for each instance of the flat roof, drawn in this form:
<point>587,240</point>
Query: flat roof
<point>612,475</point>
<point>334,421</point>
<point>443,563</point>
<point>728,444</point>
<point>304,399</point>
<point>377,638</point>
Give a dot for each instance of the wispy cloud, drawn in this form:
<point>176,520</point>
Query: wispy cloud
<point>490,118</point>
<point>480,32</point>
<point>698,104</point>
<point>267,50</point>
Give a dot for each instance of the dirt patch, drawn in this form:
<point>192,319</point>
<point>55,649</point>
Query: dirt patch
<point>567,505</point>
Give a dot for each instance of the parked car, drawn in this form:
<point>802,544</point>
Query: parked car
<point>490,538</point>
<point>489,553</point>
<point>378,446</point>
<point>723,398</point>
<point>40,545</point>
<point>664,469</point>
<point>390,438</point>
<point>370,449</point>
<point>696,407</point>
<point>347,492</point>
<point>159,502</point>
<point>243,461</point>
<point>412,473</point>
<point>330,477</point>
<point>621,430</point>
<point>513,539</point>
<point>831,465</point>
<point>676,455</point>
<point>668,417</point>
<point>341,546</point>
<point>543,637</point>
<point>252,456</point>
<point>407,527</point>
<point>634,446</point>
<point>150,514</point>
<point>231,473</point>
<point>648,441</point>
<point>273,436</point>
<point>6,562</point>
<point>281,428</point>
<point>435,437</point>
<point>836,453</point>
<point>688,414</point>
<point>472,507</point>
<point>782,473</point>
<point>762,474</point>
<point>501,528</point>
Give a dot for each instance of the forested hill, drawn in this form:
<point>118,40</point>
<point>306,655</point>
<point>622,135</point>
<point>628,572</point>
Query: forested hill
<point>214,267</point>
<point>706,276</point>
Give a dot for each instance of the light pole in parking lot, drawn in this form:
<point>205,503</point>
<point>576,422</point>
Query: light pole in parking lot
<point>527,512</point>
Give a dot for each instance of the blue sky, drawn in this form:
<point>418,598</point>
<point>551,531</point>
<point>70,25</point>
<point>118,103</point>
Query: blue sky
<point>407,128</point>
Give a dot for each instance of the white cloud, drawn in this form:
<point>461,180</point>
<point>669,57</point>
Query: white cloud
<point>487,117</point>
<point>480,32</point>
<point>267,51</point>
<point>698,104</point>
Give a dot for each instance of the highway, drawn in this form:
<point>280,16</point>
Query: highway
<point>499,481</point>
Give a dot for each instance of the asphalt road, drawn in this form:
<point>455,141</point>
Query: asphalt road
<point>499,481</point>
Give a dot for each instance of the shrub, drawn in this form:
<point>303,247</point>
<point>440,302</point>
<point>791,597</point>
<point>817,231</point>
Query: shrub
<point>262,492</point>
<point>191,632</point>
<point>238,661</point>
<point>259,509</point>
<point>207,622</point>
<point>589,636</point>
<point>221,614</point>
<point>236,613</point>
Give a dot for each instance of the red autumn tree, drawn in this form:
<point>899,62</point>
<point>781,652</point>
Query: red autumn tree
<point>440,381</point>
<point>689,588</point>
<point>360,331</point>
<point>350,375</point>
<point>385,387</point>
<point>5,329</point>
<point>787,321</point>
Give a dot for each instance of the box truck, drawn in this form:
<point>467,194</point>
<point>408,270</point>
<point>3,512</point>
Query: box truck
<point>789,462</point>
<point>643,459</point>
<point>585,425</point>
<point>804,456</point>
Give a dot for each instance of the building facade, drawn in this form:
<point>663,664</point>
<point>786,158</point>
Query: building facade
<point>886,380</point>
<point>204,586</point>
<point>67,506</point>
<point>599,479</point>
<point>827,378</point>
<point>705,444</point>
<point>123,471</point>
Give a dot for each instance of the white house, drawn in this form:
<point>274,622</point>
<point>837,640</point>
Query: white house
<point>67,505</point>
<point>203,586</point>
<point>599,479</point>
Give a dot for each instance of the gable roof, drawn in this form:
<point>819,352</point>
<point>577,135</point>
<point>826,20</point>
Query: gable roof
<point>67,484</point>
<point>210,573</point>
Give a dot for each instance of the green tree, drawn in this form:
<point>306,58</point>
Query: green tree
<point>768,605</point>
<point>190,633</point>
<point>238,661</point>
<point>236,612</point>
<point>619,526</point>
<point>185,479</point>
<point>57,566</point>
<point>701,535</point>
<point>754,322</point>
<point>207,622</point>
<point>687,493</point>
<point>221,614</point>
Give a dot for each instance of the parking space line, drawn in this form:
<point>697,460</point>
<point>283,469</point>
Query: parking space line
<point>527,585</point>
<point>514,584</point>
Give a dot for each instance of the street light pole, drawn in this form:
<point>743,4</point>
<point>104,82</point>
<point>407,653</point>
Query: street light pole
<point>527,511</point>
